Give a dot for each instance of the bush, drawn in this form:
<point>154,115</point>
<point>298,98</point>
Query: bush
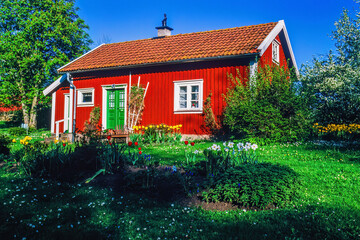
<point>4,144</point>
<point>265,106</point>
<point>255,185</point>
<point>17,131</point>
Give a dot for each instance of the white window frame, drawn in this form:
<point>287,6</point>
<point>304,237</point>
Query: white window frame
<point>276,50</point>
<point>80,93</point>
<point>188,84</point>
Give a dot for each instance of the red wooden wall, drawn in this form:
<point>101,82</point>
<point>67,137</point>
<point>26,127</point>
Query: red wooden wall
<point>159,101</point>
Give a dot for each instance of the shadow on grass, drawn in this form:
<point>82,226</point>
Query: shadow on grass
<point>39,209</point>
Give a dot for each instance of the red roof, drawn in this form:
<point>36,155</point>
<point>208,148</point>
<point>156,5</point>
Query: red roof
<point>225,42</point>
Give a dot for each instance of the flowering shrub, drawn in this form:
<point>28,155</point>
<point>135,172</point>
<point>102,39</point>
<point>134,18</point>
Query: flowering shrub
<point>337,131</point>
<point>255,185</point>
<point>156,133</point>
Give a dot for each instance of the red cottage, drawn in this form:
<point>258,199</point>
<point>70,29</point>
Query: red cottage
<point>181,71</point>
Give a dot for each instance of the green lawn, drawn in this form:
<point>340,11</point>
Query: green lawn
<point>328,207</point>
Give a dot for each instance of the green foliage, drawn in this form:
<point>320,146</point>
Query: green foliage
<point>331,83</point>
<point>265,106</point>
<point>255,185</point>
<point>36,38</point>
<point>17,131</point>
<point>161,133</point>
<point>4,144</point>
<point>92,127</point>
<point>210,120</point>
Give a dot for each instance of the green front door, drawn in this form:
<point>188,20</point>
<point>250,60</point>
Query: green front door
<point>115,108</point>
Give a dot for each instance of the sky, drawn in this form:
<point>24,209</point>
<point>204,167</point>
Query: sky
<point>309,22</point>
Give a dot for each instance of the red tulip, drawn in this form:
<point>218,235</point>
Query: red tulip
<point>136,143</point>
<point>108,137</point>
<point>139,148</point>
<point>186,142</point>
<point>130,143</point>
<point>192,143</point>
<point>64,144</point>
<point>109,143</point>
<point>140,152</point>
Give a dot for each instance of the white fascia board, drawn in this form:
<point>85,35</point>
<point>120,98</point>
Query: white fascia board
<point>47,91</point>
<point>280,26</point>
<point>80,57</point>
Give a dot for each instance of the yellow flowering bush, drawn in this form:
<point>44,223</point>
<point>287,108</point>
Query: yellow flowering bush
<point>156,133</point>
<point>342,131</point>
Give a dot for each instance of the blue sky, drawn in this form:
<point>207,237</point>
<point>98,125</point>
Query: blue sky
<point>309,22</point>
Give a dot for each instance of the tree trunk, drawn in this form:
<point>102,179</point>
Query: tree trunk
<point>33,113</point>
<point>25,113</point>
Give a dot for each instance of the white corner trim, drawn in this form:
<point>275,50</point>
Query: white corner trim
<point>80,57</point>
<point>71,109</point>
<point>104,102</point>
<point>53,105</point>
<point>272,35</point>
<point>47,91</point>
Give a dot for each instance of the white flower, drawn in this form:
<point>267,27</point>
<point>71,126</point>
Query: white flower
<point>196,152</point>
<point>214,147</point>
<point>226,149</point>
<point>224,143</point>
<point>254,147</point>
<point>230,144</point>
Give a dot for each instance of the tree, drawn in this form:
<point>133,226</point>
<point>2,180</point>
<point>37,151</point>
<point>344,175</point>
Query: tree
<point>36,38</point>
<point>331,83</point>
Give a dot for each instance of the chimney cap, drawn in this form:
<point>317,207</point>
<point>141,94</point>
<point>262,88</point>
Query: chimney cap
<point>164,30</point>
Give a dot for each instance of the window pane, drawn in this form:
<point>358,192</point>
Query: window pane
<point>195,89</point>
<point>183,104</point>
<point>183,97</point>
<point>194,96</point>
<point>183,90</point>
<point>87,97</point>
<point>194,104</point>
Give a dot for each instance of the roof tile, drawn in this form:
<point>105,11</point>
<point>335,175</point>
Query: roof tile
<point>224,42</point>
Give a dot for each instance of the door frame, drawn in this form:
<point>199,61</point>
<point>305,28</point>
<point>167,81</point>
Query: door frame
<point>104,101</point>
<point>67,113</point>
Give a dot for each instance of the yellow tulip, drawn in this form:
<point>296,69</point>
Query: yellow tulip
<point>14,141</point>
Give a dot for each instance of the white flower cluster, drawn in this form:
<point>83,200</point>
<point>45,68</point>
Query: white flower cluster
<point>230,145</point>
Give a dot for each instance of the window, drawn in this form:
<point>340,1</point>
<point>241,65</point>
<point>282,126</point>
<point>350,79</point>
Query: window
<point>86,97</point>
<point>188,96</point>
<point>275,51</point>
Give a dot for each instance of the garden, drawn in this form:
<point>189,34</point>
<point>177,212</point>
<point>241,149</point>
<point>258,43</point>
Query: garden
<point>281,162</point>
<point>178,189</point>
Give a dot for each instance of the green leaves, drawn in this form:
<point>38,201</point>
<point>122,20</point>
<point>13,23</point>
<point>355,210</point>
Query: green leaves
<point>260,185</point>
<point>36,38</point>
<point>265,106</point>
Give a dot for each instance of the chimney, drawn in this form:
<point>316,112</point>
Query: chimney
<point>164,30</point>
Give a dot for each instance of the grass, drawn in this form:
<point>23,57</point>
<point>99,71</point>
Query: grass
<point>328,207</point>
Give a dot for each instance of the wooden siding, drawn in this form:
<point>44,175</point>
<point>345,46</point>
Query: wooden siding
<point>159,101</point>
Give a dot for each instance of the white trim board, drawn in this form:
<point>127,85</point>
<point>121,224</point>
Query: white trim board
<point>53,105</point>
<point>280,26</point>
<point>47,91</point>
<point>104,103</point>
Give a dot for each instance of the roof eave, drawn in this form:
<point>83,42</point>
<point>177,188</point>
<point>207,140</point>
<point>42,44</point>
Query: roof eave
<point>280,27</point>
<point>55,85</point>
<point>166,63</point>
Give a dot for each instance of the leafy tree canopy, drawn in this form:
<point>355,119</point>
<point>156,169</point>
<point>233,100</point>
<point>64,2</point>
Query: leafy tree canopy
<point>331,83</point>
<point>36,38</point>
